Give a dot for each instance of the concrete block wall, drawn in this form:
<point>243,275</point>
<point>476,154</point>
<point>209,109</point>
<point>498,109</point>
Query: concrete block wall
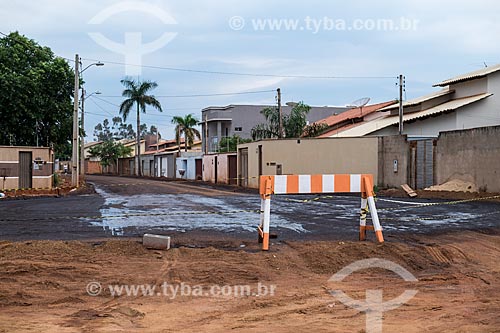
<point>222,168</point>
<point>470,155</point>
<point>391,149</point>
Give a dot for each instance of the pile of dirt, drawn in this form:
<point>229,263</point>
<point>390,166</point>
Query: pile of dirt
<point>455,185</point>
<point>44,285</point>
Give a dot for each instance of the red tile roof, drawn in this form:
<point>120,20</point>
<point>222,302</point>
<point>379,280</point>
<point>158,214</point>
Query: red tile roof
<point>346,119</point>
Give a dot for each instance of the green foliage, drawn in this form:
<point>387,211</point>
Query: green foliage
<point>229,144</point>
<point>186,126</point>
<point>109,152</point>
<point>137,94</point>
<point>56,179</point>
<point>314,129</point>
<point>120,130</point>
<point>293,124</point>
<point>35,96</point>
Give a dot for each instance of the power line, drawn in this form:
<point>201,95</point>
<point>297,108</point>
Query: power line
<point>145,114</point>
<point>102,109</point>
<point>188,70</point>
<point>148,114</point>
<point>105,101</point>
<point>202,95</point>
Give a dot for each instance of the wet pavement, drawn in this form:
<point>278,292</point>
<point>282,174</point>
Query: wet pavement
<point>131,207</point>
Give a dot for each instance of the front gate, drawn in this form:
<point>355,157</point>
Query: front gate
<point>25,169</point>
<point>422,164</point>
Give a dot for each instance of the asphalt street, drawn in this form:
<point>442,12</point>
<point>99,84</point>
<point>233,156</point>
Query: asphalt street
<point>131,207</point>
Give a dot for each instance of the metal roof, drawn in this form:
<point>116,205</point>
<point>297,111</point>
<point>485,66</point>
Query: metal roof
<point>421,99</point>
<point>378,124</point>
<point>469,76</point>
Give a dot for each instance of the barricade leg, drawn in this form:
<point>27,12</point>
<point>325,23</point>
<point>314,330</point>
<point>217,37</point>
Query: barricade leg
<point>261,224</point>
<point>266,222</point>
<point>362,219</point>
<point>375,221</point>
<point>368,188</point>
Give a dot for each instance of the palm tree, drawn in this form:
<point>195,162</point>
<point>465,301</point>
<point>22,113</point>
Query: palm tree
<point>136,91</point>
<point>186,125</point>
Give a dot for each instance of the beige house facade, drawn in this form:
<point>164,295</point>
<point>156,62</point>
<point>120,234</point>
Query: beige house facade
<point>26,167</point>
<point>307,156</point>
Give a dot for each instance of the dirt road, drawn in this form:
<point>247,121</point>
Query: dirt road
<point>44,286</point>
<point>216,279</point>
<point>130,207</point>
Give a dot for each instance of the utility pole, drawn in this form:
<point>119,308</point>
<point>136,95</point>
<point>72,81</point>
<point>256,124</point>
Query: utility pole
<point>157,140</point>
<point>206,134</point>
<point>179,141</point>
<point>82,140</point>
<point>74,156</point>
<point>280,134</point>
<point>401,78</point>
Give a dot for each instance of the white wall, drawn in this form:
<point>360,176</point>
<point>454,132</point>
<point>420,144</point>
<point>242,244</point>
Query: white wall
<point>187,163</point>
<point>429,127</point>
<point>470,88</point>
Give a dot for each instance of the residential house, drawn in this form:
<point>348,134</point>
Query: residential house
<point>26,167</point>
<point>159,160</point>
<point>220,168</point>
<point>348,119</point>
<point>189,165</point>
<point>126,165</point>
<point>225,121</point>
<point>467,101</point>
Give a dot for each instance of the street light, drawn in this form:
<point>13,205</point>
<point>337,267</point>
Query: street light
<point>98,64</point>
<point>82,139</point>
<point>75,150</point>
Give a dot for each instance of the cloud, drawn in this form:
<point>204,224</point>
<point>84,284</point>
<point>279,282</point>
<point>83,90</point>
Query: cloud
<point>451,35</point>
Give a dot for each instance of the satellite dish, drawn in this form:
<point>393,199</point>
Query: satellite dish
<point>359,103</point>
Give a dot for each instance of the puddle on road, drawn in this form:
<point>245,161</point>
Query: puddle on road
<point>184,212</point>
<point>181,212</point>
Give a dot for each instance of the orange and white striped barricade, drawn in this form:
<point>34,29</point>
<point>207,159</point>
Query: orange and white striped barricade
<point>317,184</point>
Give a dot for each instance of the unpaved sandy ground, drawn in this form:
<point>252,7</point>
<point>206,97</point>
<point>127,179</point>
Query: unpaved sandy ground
<point>43,285</point>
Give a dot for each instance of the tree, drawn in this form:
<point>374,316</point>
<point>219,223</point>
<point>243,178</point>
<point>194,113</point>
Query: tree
<point>293,124</point>
<point>120,130</point>
<point>186,126</point>
<point>102,132</point>
<point>35,96</point>
<point>109,152</point>
<point>314,129</point>
<point>137,93</point>
<point>229,144</point>
<point>151,131</point>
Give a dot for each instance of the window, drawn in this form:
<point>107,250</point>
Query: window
<point>238,129</point>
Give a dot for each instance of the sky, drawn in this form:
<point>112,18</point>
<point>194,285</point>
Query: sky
<point>319,52</point>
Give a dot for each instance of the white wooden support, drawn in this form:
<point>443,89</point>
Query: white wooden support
<point>375,221</point>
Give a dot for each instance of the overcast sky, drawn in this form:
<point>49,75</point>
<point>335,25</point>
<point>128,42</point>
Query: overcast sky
<point>430,41</point>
